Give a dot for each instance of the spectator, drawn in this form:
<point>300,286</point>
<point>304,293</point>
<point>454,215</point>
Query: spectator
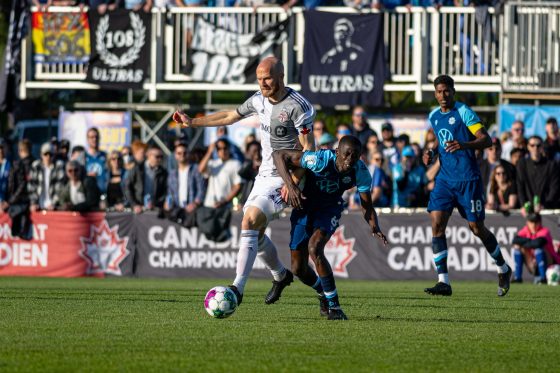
<point>102,6</point>
<point>319,128</point>
<point>5,168</point>
<point>137,5</point>
<point>47,178</point>
<point>360,125</point>
<point>43,5</point>
<point>380,183</point>
<point>408,181</point>
<point>80,192</point>
<point>503,194</point>
<point>186,188</point>
<point>372,146</point>
<point>250,169</point>
<point>517,140</point>
<point>492,160</point>
<point>17,201</point>
<point>146,184</point>
<point>63,151</point>
<point>326,141</point>
<point>139,151</point>
<point>516,155</point>
<point>96,160</point>
<point>78,154</point>
<point>401,141</point>
<point>115,187</point>
<point>128,160</point>
<point>390,152</point>
<point>234,151</point>
<point>224,182</point>
<point>533,246</point>
<point>552,140</point>
<point>342,129</point>
<point>538,178</point>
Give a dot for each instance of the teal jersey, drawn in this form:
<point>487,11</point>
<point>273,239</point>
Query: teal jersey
<point>454,125</point>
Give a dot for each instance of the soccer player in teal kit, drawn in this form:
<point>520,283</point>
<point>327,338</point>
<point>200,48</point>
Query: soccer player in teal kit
<point>458,183</point>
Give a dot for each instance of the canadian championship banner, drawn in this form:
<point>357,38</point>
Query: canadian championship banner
<point>120,49</point>
<point>67,244</point>
<point>344,60</point>
<point>219,55</point>
<point>60,37</point>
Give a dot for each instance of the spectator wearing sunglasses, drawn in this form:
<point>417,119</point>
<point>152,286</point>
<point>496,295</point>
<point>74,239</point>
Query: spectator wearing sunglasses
<point>538,178</point>
<point>146,184</point>
<point>117,176</point>
<point>80,192</point>
<point>516,141</point>
<point>502,195</point>
<point>47,178</point>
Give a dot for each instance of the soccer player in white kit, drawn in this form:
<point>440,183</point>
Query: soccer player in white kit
<point>286,123</point>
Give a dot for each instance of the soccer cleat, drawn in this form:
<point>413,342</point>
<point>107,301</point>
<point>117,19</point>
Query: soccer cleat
<point>277,288</point>
<point>237,294</point>
<point>323,305</point>
<point>504,282</point>
<point>336,314</point>
<point>441,288</point>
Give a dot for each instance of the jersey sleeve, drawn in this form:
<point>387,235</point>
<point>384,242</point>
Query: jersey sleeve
<point>247,108</point>
<point>315,161</point>
<point>469,117</point>
<point>363,178</point>
<point>303,117</point>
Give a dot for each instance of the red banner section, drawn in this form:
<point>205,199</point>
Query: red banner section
<point>64,244</point>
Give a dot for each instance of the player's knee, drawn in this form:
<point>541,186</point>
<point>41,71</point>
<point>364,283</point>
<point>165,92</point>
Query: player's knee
<point>477,229</point>
<point>298,268</point>
<point>253,219</point>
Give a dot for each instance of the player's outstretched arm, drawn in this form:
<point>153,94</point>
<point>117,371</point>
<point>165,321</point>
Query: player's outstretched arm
<point>371,217</point>
<point>284,160</point>
<point>221,118</point>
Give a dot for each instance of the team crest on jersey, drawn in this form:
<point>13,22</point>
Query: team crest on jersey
<point>452,120</point>
<point>346,179</point>
<point>311,160</point>
<point>283,117</point>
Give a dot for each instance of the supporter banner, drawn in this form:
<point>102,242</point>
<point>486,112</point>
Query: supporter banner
<point>343,59</point>
<point>220,55</point>
<point>67,244</point>
<point>60,37</point>
<point>115,128</point>
<point>121,48</point>
<point>534,117</point>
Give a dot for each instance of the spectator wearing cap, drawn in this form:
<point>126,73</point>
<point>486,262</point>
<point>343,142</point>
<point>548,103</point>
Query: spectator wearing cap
<point>63,151</point>
<point>47,178</point>
<point>390,152</point>
<point>17,196</point>
<point>492,159</point>
<point>186,187</point>
<point>538,178</point>
<point>5,167</point>
<point>96,160</point>
<point>342,129</point>
<point>360,125</point>
<point>409,180</point>
<point>533,247</point>
<point>516,141</point>
<point>326,141</point>
<point>80,193</point>
<point>146,184</point>
<point>552,140</point>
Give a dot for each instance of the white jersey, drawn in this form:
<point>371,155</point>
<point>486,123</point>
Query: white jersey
<point>281,124</point>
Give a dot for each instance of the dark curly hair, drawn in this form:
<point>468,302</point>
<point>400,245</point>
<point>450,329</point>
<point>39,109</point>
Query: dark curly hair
<point>444,79</point>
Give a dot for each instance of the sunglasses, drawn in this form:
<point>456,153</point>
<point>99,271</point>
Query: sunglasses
<point>180,153</point>
<point>222,148</point>
<point>49,154</point>
<point>378,159</point>
<point>159,156</point>
<point>517,129</point>
<point>71,170</point>
<point>500,173</point>
<point>114,159</point>
<point>535,145</point>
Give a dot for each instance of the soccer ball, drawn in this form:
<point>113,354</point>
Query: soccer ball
<point>220,302</point>
<point>553,275</point>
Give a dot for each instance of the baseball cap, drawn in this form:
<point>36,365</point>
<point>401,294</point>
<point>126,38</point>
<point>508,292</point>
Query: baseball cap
<point>386,126</point>
<point>408,152</point>
<point>47,148</point>
<point>326,138</point>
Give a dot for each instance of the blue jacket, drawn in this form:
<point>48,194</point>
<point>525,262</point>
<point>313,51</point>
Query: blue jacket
<point>196,185</point>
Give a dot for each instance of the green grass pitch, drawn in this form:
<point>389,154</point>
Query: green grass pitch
<point>142,325</point>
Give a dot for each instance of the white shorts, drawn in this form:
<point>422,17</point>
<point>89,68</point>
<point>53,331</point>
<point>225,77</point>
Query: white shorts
<point>266,196</point>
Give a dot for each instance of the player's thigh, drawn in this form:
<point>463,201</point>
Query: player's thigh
<point>442,197</point>
<point>470,200</point>
<point>266,197</point>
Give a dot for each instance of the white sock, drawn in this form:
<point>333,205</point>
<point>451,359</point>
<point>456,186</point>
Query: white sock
<point>245,258</point>
<point>443,277</point>
<point>269,256</point>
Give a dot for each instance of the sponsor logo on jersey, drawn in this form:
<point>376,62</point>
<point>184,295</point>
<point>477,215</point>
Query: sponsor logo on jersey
<point>346,179</point>
<point>444,136</point>
<point>280,131</point>
<point>310,160</point>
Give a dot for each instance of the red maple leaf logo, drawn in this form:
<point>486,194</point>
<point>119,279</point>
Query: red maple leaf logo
<point>104,250</point>
<point>340,252</point>
<point>304,131</point>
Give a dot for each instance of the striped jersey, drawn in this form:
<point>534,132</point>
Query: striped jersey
<point>281,124</point>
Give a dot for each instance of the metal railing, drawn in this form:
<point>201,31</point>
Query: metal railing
<point>483,51</point>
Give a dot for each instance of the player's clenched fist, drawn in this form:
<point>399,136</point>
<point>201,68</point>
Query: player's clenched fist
<point>180,117</point>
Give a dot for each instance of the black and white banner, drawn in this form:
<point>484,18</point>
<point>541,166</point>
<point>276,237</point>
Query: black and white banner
<point>120,42</point>
<point>219,55</point>
<point>344,60</point>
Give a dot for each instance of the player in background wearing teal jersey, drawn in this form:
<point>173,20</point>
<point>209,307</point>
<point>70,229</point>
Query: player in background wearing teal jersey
<point>458,183</point>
